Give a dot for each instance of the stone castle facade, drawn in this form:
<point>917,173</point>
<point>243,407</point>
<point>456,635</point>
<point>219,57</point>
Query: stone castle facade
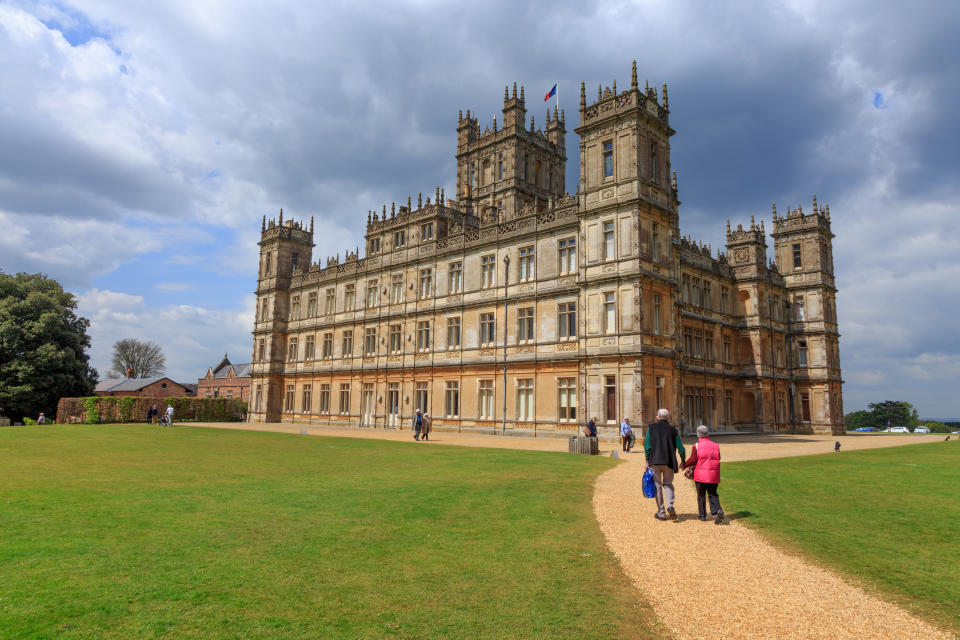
<point>517,306</point>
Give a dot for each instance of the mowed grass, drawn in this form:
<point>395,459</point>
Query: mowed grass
<point>136,531</point>
<point>888,517</point>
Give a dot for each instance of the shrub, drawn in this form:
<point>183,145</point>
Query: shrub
<point>94,410</point>
<point>29,421</point>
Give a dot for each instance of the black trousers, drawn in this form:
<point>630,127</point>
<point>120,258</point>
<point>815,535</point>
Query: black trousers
<point>703,490</point>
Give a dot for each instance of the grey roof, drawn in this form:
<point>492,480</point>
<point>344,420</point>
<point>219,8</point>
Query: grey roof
<point>109,384</point>
<point>135,384</point>
<point>239,370</point>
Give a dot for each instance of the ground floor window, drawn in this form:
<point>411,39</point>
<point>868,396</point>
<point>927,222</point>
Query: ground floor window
<point>610,398</point>
<point>525,399</point>
<point>344,398</point>
<point>422,396</point>
<point>258,402</point>
<point>728,406</point>
<point>567,400</point>
<point>451,401</point>
<point>325,399</point>
<point>805,406</point>
<point>485,399</point>
<point>288,398</point>
<point>307,404</point>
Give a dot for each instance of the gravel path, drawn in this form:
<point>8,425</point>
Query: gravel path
<point>708,581</point>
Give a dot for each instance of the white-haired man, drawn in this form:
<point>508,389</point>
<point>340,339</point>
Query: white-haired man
<point>661,445</point>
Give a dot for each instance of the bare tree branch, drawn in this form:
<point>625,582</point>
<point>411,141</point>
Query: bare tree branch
<point>144,357</point>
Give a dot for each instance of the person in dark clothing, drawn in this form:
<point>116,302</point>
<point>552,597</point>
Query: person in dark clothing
<point>152,414</point>
<point>836,447</point>
<point>592,427</point>
<point>661,446</point>
<point>417,425</point>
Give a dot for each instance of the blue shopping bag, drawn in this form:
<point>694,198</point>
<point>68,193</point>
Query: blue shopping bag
<point>649,489</point>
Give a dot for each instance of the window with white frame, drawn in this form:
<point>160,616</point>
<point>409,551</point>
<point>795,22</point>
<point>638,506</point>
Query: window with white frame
<point>567,320</point>
<point>292,350</point>
<point>396,288</point>
<point>525,324</point>
<point>344,398</point>
<point>655,241</point>
<point>261,351</point>
<point>426,231</point>
<point>568,255</point>
<point>451,399</point>
<point>656,313</point>
<point>609,312</point>
<point>347,344</point>
<point>800,312</point>
<point>485,396</point>
<point>423,335</point>
<point>308,348</point>
<point>802,353</point>
<point>396,338</point>
<point>312,305</point>
<point>525,399</point>
<point>329,303</point>
<point>295,308</point>
<point>488,329</point>
<point>288,398</point>
<point>327,346</point>
<point>453,333</point>
<point>325,399</point>
<point>373,293</point>
<point>797,257</point>
<point>426,283</point>
<point>456,277</point>
<point>567,399</point>
<point>374,245</point>
<point>421,398</point>
<point>349,295</point>
<point>608,159</point>
<point>370,341</point>
<point>526,263</point>
<point>306,403</point>
<point>399,238</point>
<point>488,271</point>
<point>609,242</point>
<point>660,383</point>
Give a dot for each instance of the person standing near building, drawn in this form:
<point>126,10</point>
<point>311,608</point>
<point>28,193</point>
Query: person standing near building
<point>705,460</point>
<point>169,415</point>
<point>41,419</point>
<point>661,446</point>
<point>626,435</point>
<point>417,425</point>
<point>592,427</point>
<point>427,426</point>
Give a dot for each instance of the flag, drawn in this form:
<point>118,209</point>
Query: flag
<point>550,93</point>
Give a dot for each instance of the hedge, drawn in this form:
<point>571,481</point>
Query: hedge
<point>96,409</point>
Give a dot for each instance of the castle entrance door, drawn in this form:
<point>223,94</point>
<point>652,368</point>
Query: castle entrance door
<point>393,405</point>
<point>368,405</point>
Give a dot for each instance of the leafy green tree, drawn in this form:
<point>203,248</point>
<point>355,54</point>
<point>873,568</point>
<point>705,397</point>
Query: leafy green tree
<point>857,419</point>
<point>937,427</point>
<point>43,346</point>
<point>893,412</point>
<point>145,358</point>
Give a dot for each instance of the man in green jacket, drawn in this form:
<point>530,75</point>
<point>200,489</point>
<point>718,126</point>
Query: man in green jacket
<point>661,445</point>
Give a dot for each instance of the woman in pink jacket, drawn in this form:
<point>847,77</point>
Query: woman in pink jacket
<point>705,460</point>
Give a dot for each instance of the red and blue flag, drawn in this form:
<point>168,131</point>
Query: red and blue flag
<point>550,93</point>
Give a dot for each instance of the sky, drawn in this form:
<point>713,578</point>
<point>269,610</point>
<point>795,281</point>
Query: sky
<point>142,143</point>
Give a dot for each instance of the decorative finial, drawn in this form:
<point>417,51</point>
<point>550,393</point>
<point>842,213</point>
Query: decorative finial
<point>420,200</point>
<point>409,204</point>
<point>554,112</point>
<point>583,94</point>
<point>614,87</point>
<point>633,76</point>
<point>728,227</point>
<point>393,209</point>
<point>828,211</point>
<point>774,210</point>
<point>563,118</point>
<point>514,90</point>
<point>521,93</point>
<point>494,124</point>
<point>443,197</point>
<point>281,215</point>
<point>369,217</point>
<point>263,227</point>
<point>752,224</point>
<point>506,94</point>
<point>763,230</point>
<point>673,181</point>
<point>311,224</point>
<point>437,200</point>
<point>599,92</point>
<point>666,104</point>
<point>532,127</point>
<point>460,115</point>
<point>384,211</point>
<point>548,116</point>
<point>815,209</point>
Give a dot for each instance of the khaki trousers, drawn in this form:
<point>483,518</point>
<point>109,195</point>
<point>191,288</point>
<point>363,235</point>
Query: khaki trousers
<point>663,479</point>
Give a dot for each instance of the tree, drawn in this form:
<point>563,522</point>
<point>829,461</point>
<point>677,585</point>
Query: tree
<point>43,346</point>
<point>857,419</point>
<point>893,412</point>
<point>144,357</point>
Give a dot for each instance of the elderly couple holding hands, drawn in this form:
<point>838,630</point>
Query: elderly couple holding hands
<point>661,446</point>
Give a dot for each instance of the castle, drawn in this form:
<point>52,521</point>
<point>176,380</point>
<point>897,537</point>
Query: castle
<point>518,307</point>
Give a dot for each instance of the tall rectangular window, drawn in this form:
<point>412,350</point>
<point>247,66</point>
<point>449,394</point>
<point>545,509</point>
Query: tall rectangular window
<point>325,399</point>
<point>308,348</point>
<point>349,294</point>
<point>396,288</point>
<point>608,159</point>
<point>329,303</point>
<point>373,293</point>
<point>567,399</point>
<point>421,397</point>
<point>485,396</point>
<point>261,350</point>
<point>661,382</point>
<point>567,320</point>
<point>610,398</point>
<point>374,245</point>
<point>370,341</point>
<point>292,350</point>
<point>488,329</point>
<point>499,166</point>
<point>727,350</point>
<point>453,333</point>
<point>708,347</point>
<point>344,398</point>
<point>653,162</point>
<point>728,406</point>
<point>288,398</point>
<point>268,267</point>
<point>399,238</point>
<point>312,305</point>
<point>456,277</point>
<point>451,399</point>
<point>609,243</point>
<point>655,242</point>
<point>802,353</point>
<point>724,300</point>
<point>306,405</point>
<point>805,407</point>
<point>426,283</point>
<point>396,339</point>
<point>609,312</point>
<point>656,313</point>
<point>797,257</point>
<point>347,344</point>
<point>800,312</point>
<point>525,399</point>
<point>423,335</point>
<point>525,324</point>
<point>526,263</point>
<point>568,255</point>
<point>295,308</point>
<point>328,345</point>
<point>488,271</point>
<point>426,231</point>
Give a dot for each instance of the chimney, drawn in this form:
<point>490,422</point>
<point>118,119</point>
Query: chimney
<point>129,372</point>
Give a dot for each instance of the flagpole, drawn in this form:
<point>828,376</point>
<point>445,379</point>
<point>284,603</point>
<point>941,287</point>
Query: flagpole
<point>558,96</point>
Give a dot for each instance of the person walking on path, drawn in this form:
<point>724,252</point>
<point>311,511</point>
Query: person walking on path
<point>169,415</point>
<point>836,447</point>
<point>152,414</point>
<point>705,460</point>
<point>592,427</point>
<point>427,426</point>
<point>417,425</point>
<point>661,445</point>
<point>41,419</point>
<point>626,435</point>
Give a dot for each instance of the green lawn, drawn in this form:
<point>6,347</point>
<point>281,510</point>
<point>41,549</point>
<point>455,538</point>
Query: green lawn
<point>135,531</point>
<point>888,517</point>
